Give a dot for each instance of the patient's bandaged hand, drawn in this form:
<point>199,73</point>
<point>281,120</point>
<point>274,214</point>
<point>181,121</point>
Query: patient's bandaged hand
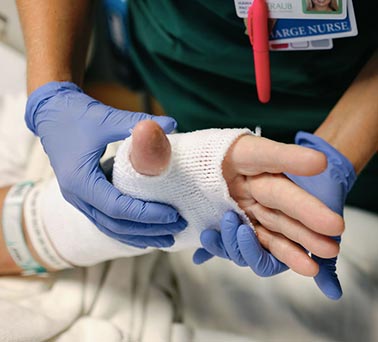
<point>193,182</point>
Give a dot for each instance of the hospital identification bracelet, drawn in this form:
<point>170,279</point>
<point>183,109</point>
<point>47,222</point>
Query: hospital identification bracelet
<point>13,231</point>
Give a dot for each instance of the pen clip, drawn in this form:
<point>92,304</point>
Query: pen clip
<point>250,25</point>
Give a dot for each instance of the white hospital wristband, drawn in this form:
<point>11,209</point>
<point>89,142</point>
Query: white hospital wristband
<point>13,231</point>
<point>37,233</point>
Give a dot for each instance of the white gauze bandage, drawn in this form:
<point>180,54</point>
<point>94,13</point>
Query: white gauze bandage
<point>193,182</point>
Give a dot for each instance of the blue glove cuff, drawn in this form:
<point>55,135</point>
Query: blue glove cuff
<point>41,95</point>
<point>312,141</point>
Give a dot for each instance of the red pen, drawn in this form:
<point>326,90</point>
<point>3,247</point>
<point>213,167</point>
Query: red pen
<point>257,25</point>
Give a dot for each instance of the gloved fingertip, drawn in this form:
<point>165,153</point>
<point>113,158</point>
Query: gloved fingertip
<point>333,292</point>
<point>173,228</point>
<point>167,241</point>
<point>167,123</point>
<point>331,289</point>
<point>328,283</point>
<point>336,295</point>
<point>201,255</point>
<point>173,216</point>
<point>183,222</point>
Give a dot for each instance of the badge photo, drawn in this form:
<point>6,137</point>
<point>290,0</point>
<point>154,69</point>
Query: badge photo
<point>326,7</point>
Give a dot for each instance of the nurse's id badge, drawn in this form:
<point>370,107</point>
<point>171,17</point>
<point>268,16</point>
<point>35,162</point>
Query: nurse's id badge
<point>296,9</point>
<point>288,31</point>
<point>305,24</point>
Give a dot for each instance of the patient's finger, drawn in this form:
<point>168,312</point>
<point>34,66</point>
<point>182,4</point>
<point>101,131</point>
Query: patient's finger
<point>278,192</point>
<point>251,155</point>
<point>287,252</point>
<point>278,222</point>
<point>150,149</point>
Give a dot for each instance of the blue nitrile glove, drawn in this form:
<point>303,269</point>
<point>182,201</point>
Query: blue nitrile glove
<point>237,242</point>
<point>331,187</point>
<point>75,130</point>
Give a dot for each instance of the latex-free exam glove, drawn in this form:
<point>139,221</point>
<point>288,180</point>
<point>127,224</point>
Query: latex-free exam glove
<point>331,187</point>
<point>237,242</point>
<point>75,130</point>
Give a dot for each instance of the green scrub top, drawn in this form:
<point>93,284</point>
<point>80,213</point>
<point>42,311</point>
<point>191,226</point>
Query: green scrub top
<point>195,58</point>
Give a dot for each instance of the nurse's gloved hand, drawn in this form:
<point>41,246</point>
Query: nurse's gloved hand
<point>238,243</point>
<point>75,130</point>
<point>331,187</point>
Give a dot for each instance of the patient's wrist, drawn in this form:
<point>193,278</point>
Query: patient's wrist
<point>13,235</point>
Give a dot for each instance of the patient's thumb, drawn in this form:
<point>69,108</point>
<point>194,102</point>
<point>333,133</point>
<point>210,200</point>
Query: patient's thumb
<point>150,151</point>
